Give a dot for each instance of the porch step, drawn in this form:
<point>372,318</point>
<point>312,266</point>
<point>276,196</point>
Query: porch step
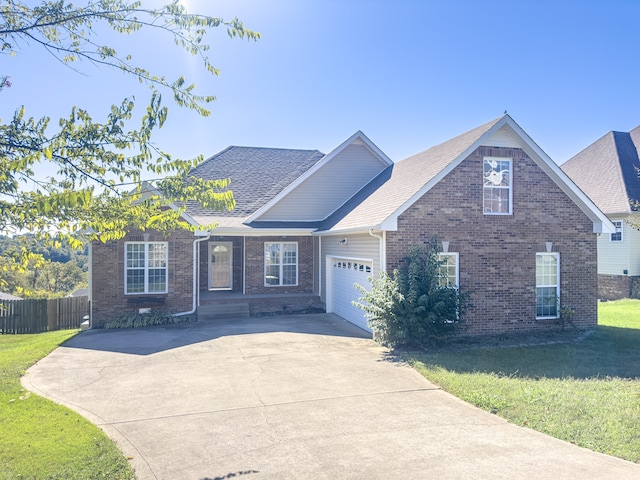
<point>223,310</point>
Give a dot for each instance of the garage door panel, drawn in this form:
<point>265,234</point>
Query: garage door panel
<point>346,273</point>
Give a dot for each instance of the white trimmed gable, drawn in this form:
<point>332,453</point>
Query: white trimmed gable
<point>507,133</point>
<point>411,178</point>
<point>328,185</point>
<point>501,138</point>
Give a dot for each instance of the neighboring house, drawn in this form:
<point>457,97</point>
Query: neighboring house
<point>607,171</point>
<point>516,232</point>
<point>80,292</point>
<point>8,296</point>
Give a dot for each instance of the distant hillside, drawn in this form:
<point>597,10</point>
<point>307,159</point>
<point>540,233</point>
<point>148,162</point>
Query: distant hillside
<point>62,254</point>
<point>63,270</point>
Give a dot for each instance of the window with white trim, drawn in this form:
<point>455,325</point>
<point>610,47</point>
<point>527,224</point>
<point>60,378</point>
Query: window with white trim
<point>280,264</point>
<point>617,236</point>
<point>146,268</point>
<point>448,270</point>
<point>547,285</point>
<point>496,191</point>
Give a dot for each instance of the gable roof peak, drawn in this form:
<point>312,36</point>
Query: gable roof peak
<point>607,171</point>
<point>408,180</point>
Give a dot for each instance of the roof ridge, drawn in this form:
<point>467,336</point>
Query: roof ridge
<point>628,163</point>
<point>482,128</point>
<point>588,147</point>
<point>273,148</point>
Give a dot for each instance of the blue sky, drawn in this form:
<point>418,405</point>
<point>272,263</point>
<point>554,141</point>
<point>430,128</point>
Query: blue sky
<point>410,74</point>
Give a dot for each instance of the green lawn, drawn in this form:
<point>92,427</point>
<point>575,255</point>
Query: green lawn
<point>43,440</point>
<point>587,393</point>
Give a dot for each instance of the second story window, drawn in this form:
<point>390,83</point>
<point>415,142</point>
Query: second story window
<point>496,191</point>
<point>617,236</point>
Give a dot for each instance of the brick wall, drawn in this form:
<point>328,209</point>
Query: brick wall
<point>614,287</point>
<point>254,268</point>
<point>108,297</point>
<point>497,253</point>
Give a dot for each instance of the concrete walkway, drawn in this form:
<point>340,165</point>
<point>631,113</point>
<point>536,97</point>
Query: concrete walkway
<point>296,397</point>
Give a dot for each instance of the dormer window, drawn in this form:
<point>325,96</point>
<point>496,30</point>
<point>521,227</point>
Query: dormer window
<point>496,192</point>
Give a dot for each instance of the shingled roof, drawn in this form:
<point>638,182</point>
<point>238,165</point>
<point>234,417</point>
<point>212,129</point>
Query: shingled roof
<point>607,171</point>
<point>257,175</point>
<point>401,181</point>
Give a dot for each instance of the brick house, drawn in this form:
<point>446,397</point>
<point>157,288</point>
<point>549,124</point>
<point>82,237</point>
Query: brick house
<point>607,171</point>
<point>514,229</point>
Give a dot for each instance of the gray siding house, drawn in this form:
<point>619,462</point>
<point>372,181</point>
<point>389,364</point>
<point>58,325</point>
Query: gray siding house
<point>607,171</point>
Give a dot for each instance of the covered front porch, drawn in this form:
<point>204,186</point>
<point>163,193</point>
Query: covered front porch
<point>257,275</point>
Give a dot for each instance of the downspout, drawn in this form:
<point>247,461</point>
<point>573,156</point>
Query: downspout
<point>195,275</point>
<point>320,263</point>
<point>90,297</point>
<point>383,256</point>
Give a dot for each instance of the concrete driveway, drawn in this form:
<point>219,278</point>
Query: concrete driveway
<point>296,397</point>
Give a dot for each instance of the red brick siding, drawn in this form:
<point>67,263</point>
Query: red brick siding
<point>254,268</point>
<point>108,297</point>
<point>497,253</point>
<point>615,287</point>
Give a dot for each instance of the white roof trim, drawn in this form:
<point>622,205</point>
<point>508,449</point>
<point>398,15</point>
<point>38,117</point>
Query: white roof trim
<point>261,232</point>
<point>345,231</point>
<point>601,224</point>
<point>357,138</point>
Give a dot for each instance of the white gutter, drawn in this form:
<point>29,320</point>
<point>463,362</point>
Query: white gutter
<point>383,256</point>
<point>262,232</point>
<point>348,231</point>
<point>196,257</point>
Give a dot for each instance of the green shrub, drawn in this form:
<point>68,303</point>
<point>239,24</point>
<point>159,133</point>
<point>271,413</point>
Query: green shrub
<point>154,317</point>
<point>412,307</point>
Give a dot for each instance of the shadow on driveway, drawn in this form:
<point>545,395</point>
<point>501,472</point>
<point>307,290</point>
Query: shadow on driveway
<point>150,340</point>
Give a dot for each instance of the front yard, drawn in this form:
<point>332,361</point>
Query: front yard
<point>43,440</point>
<point>587,393</point>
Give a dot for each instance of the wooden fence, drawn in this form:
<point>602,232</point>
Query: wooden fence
<point>36,316</point>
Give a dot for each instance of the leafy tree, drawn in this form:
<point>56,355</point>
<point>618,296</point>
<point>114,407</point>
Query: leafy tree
<point>39,278</point>
<point>54,251</point>
<point>413,306</point>
<point>98,185</point>
<point>26,258</point>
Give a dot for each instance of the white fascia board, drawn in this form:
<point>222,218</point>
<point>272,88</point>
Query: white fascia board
<point>262,232</point>
<point>391,222</point>
<point>345,231</point>
<point>601,223</point>
<point>358,136</point>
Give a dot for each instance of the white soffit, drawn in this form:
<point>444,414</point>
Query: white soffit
<point>501,138</point>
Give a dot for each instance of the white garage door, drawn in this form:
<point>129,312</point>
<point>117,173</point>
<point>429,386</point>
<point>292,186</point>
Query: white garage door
<point>344,274</point>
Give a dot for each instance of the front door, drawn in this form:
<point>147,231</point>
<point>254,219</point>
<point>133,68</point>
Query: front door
<point>220,266</point>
